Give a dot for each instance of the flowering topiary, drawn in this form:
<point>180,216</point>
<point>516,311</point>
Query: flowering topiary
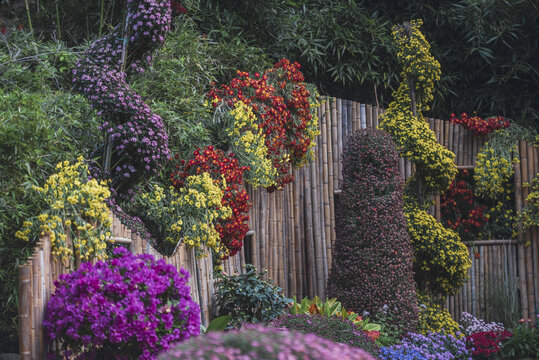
<point>332,328</point>
<point>435,346</point>
<point>136,136</point>
<point>254,342</point>
<point>372,253</point>
<point>127,307</point>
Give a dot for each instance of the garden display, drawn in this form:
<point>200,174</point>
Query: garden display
<point>175,185</point>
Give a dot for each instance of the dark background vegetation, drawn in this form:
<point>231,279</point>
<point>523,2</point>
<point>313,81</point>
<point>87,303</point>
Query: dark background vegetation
<point>487,49</point>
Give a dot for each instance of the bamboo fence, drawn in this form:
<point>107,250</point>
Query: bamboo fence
<point>292,231</point>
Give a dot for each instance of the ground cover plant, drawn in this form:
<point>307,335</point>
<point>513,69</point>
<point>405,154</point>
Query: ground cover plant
<point>373,255</point>
<point>333,328</point>
<point>256,342</point>
<point>128,306</point>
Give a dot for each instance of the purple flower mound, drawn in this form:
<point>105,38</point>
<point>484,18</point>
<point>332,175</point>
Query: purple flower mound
<point>138,137</point>
<point>254,342</point>
<point>129,307</point>
<point>373,257</point>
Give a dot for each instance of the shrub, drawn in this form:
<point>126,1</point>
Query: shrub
<point>373,256</point>
<point>248,298</point>
<point>332,328</point>
<point>523,345</point>
<point>255,342</point>
<point>429,346</point>
<point>130,306</point>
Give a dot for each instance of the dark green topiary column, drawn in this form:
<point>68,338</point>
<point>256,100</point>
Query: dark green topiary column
<point>372,263</point>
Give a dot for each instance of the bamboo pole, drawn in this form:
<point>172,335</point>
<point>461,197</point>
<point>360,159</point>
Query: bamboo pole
<point>521,249</point>
<point>312,283</point>
<point>527,176</point>
<point>297,234</point>
<point>375,114</point>
<point>368,113</point>
<point>482,299</point>
<point>363,115</point>
<point>318,266</point>
<point>339,139</point>
<point>451,133</point>
<point>333,184</point>
<point>25,340</point>
<point>326,188</point>
<point>535,236</point>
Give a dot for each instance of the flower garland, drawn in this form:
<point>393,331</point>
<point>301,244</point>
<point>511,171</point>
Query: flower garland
<point>220,166</point>
<point>285,112</point>
<point>478,125</point>
<point>77,209</point>
<point>136,136</point>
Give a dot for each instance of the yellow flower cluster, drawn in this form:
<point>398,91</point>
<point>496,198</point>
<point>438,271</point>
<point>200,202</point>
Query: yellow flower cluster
<point>190,214</point>
<point>434,318</point>
<point>312,130</point>
<point>492,173</point>
<point>530,213</point>
<point>411,134</point>
<point>441,260</point>
<point>249,145</point>
<point>77,211</point>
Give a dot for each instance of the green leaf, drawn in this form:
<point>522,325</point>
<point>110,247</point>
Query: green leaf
<point>218,324</point>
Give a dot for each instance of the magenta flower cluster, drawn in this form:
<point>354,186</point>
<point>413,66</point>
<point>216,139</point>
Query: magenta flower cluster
<point>255,342</point>
<point>138,137</point>
<point>129,307</point>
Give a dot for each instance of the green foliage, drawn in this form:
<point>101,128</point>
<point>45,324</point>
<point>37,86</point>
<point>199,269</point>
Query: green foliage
<point>329,308</point>
<point>249,298</point>
<point>40,125</point>
<point>218,324</point>
<point>176,86</point>
<point>523,345</point>
<point>487,49</point>
<point>503,304</point>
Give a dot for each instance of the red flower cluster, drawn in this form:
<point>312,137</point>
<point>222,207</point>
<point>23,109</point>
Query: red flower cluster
<point>280,101</point>
<point>480,126</point>
<point>217,163</point>
<point>177,7</point>
<point>459,210</point>
<point>486,343</point>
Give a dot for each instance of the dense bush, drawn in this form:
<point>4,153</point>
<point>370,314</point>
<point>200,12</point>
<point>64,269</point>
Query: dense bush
<point>522,345</point>
<point>248,298</point>
<point>332,328</point>
<point>130,306</point>
<point>254,342</point>
<point>373,258</point>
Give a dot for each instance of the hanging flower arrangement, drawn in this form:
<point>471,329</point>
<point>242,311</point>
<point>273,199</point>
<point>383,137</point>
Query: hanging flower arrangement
<point>478,125</point>
<point>226,172</point>
<point>285,112</point>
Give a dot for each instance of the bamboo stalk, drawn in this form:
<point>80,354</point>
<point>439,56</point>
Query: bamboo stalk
<point>318,266</point>
<point>339,139</point>
<point>521,249</point>
<point>482,299</point>
<point>326,187</point>
<point>451,131</point>
<point>375,117</point>
<point>527,176</point>
<point>312,284</point>
<point>333,184</point>
<point>363,115</point>
<point>535,236</point>
<point>368,113</point>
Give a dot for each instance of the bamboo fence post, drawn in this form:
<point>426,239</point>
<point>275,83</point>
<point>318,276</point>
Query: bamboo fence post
<point>339,139</point>
<point>297,234</point>
<point>310,265</point>
<point>535,236</point>
<point>525,173</point>
<point>451,130</point>
<point>368,111</point>
<point>375,117</point>
<point>318,266</point>
<point>446,133</point>
<point>326,191</point>
<point>291,242</point>
<point>363,115</point>
<point>331,166</point>
<point>521,250</point>
<point>304,282</point>
<point>25,340</point>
